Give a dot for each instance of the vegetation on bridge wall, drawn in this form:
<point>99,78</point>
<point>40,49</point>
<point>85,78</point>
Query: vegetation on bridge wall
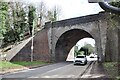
<point>112,51</point>
<point>112,44</point>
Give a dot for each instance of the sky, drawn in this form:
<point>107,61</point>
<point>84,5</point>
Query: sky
<point>69,8</point>
<point>72,8</point>
<point>82,42</point>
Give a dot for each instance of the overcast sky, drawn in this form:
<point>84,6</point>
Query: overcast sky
<point>82,42</point>
<point>70,8</point>
<point>74,8</point>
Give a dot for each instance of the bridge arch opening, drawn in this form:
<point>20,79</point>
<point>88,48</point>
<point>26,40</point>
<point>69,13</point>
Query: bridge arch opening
<point>78,49</point>
<point>66,41</point>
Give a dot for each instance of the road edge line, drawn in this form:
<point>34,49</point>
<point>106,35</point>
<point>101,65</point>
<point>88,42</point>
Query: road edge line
<point>85,71</point>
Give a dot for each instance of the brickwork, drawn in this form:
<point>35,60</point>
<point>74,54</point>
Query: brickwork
<point>41,49</point>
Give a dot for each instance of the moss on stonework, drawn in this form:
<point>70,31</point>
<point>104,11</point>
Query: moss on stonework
<point>113,20</point>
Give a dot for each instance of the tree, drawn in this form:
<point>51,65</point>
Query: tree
<point>88,48</point>
<point>75,51</point>
<point>15,20</point>
<point>3,14</point>
<point>31,16</point>
<point>19,21</point>
<point>53,14</point>
<point>116,4</point>
<point>83,49</point>
<point>14,23</point>
<point>41,12</point>
<point>3,18</point>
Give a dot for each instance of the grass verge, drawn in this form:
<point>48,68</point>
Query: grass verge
<point>6,66</point>
<point>112,69</point>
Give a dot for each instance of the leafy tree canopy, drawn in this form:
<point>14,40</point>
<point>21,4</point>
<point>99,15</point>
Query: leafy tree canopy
<point>116,4</point>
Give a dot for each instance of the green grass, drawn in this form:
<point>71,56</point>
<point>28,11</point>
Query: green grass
<point>8,65</point>
<point>112,69</point>
<point>30,63</point>
<point>5,65</point>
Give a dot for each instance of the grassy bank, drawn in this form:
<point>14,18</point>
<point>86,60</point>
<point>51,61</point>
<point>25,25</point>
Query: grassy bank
<point>111,69</point>
<point>5,65</point>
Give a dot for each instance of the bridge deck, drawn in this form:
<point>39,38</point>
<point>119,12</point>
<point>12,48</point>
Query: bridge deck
<point>77,20</point>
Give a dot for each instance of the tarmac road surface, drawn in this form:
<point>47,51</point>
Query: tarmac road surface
<point>57,70</point>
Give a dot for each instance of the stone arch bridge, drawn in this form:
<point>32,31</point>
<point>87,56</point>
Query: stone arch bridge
<point>54,42</point>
